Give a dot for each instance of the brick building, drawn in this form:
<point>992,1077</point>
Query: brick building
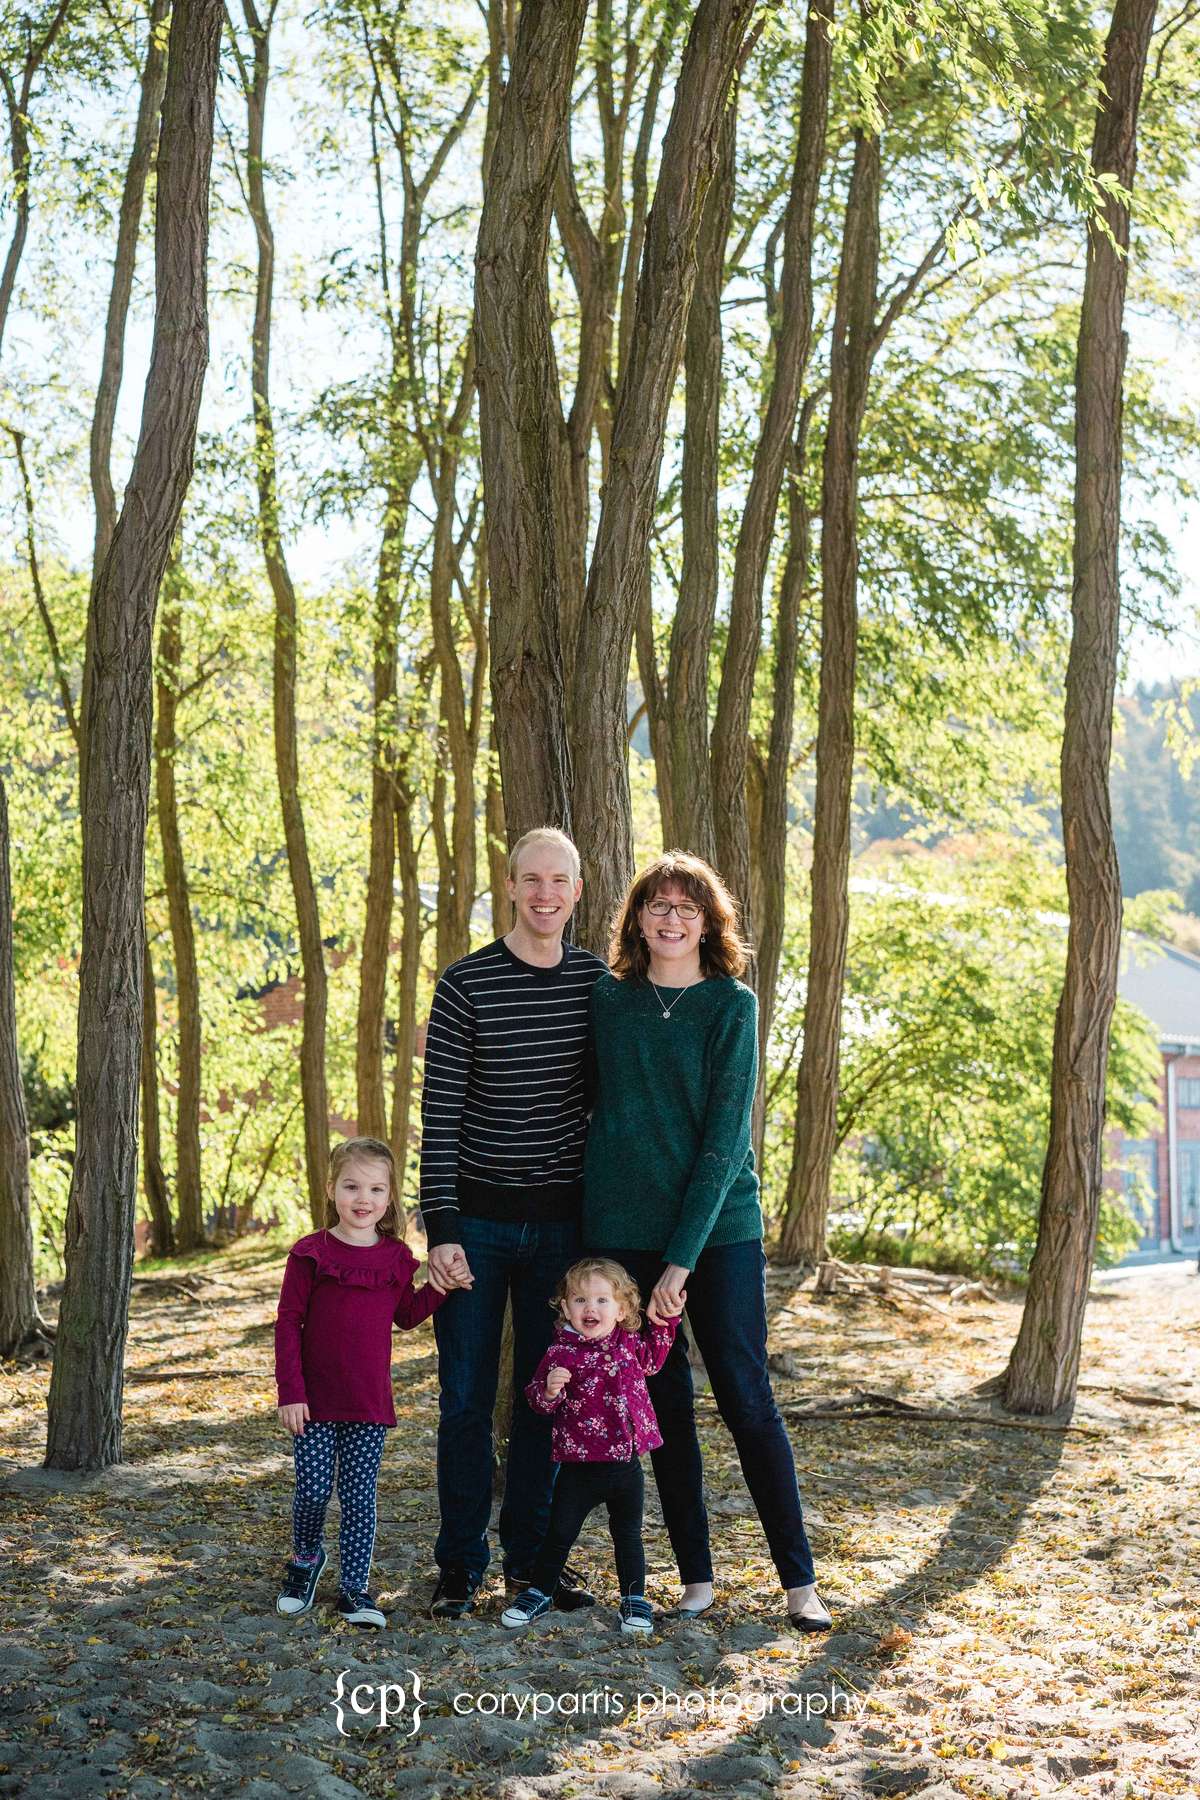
<point>1161,1174</point>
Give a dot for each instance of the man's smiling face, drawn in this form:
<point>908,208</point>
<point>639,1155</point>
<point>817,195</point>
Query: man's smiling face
<point>544,890</point>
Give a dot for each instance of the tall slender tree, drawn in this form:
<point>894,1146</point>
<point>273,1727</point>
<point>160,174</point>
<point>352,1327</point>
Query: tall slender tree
<point>20,1320</point>
<point>850,365</point>
<point>255,71</point>
<point>1044,1368</point>
<point>526,474</point>
<point>791,341</point>
<point>168,687</point>
<point>85,1388</point>
<point>599,746</point>
<point>104,414</point>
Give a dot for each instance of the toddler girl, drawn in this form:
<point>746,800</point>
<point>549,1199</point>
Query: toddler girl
<point>592,1380</point>
<point>343,1289</point>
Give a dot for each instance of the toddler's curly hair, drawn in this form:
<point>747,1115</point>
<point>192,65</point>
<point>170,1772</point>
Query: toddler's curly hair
<point>624,1287</point>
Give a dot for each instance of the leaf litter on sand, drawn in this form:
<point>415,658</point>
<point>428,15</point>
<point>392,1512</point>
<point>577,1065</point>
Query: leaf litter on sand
<point>1016,1611</point>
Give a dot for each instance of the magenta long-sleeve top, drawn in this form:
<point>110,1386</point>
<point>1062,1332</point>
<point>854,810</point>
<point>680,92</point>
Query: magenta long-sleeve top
<point>333,1330</point>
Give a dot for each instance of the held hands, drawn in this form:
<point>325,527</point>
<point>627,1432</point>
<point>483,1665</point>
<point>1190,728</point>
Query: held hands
<point>556,1381</point>
<point>292,1417</point>
<point>667,1300</point>
<point>449,1268</point>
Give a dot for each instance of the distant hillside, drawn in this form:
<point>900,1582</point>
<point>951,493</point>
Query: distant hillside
<point>1155,811</point>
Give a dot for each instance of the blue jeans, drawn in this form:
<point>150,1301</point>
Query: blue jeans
<point>524,1263</point>
<point>727,1311</point>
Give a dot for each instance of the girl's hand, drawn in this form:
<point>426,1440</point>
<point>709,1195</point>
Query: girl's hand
<point>556,1381</point>
<point>449,1268</point>
<point>667,1300</point>
<point>293,1417</point>
<point>461,1271</point>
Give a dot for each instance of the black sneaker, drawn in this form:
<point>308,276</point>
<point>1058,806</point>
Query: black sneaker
<point>571,1592</point>
<point>299,1586</point>
<point>359,1609</point>
<point>454,1594</point>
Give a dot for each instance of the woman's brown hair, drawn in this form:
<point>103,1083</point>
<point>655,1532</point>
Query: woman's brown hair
<point>723,950</point>
<point>624,1287</point>
<point>365,1149</point>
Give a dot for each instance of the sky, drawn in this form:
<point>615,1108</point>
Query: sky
<point>309,352</point>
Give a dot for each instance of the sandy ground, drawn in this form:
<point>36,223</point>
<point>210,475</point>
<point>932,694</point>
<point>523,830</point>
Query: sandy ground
<point>1017,1610</point>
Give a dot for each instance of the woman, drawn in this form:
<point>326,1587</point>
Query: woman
<point>670,1191</point>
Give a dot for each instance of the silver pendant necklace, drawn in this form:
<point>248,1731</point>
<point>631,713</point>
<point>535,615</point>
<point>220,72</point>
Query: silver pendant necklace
<point>668,1010</point>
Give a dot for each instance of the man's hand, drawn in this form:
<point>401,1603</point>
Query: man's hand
<point>556,1381</point>
<point>292,1417</point>
<point>667,1300</point>
<point>449,1268</point>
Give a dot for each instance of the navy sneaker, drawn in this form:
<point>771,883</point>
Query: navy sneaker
<point>637,1616</point>
<point>359,1608</point>
<point>569,1595</point>
<point>529,1605</point>
<point>300,1586</point>
<point>454,1594</point>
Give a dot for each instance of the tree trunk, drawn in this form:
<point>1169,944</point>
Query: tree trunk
<point>189,1206</point>
<point>791,341</point>
<point>287,765</point>
<point>523,446</point>
<point>410,976</point>
<point>145,136</point>
<point>690,823</point>
<point>599,742</point>
<point>769,879</point>
<point>768,867</point>
<point>1044,1368</point>
<point>497,852</point>
<point>456,894</point>
<point>803,1237</point>
<point>377,926</point>
<point>154,1180</point>
<point>20,1320</point>
<point>85,1389</point>
<point>658,713</point>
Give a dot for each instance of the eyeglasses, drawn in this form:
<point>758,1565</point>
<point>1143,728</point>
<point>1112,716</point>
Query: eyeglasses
<point>661,909</point>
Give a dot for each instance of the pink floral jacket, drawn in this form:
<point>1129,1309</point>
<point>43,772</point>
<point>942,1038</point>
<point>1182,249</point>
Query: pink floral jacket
<point>603,1414</point>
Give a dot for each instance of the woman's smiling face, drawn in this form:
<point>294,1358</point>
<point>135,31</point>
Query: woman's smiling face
<point>672,939</point>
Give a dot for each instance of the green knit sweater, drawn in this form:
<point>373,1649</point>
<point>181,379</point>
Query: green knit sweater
<point>669,1164</point>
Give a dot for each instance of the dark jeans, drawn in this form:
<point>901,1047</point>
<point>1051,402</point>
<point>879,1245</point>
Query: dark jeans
<point>727,1311</point>
<point>578,1490</point>
<point>524,1262</point>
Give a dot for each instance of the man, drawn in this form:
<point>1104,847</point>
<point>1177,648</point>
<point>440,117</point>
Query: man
<point>501,1188</point>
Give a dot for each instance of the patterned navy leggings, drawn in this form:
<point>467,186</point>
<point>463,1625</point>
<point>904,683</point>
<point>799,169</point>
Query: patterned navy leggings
<point>358,1448</point>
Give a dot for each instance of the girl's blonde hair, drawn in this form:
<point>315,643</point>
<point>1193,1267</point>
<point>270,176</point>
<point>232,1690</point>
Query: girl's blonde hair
<point>722,950</point>
<point>624,1287</point>
<point>365,1149</point>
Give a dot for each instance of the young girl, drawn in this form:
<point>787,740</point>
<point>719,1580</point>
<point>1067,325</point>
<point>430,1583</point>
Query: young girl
<point>343,1289</point>
<point>592,1380</point>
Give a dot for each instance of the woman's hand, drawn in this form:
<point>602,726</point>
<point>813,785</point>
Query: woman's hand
<point>667,1300</point>
<point>293,1417</point>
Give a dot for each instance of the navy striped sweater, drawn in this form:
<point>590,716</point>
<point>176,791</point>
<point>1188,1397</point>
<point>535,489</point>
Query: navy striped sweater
<point>502,1109</point>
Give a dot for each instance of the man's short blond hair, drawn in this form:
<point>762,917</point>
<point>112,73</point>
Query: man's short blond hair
<point>549,835</point>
